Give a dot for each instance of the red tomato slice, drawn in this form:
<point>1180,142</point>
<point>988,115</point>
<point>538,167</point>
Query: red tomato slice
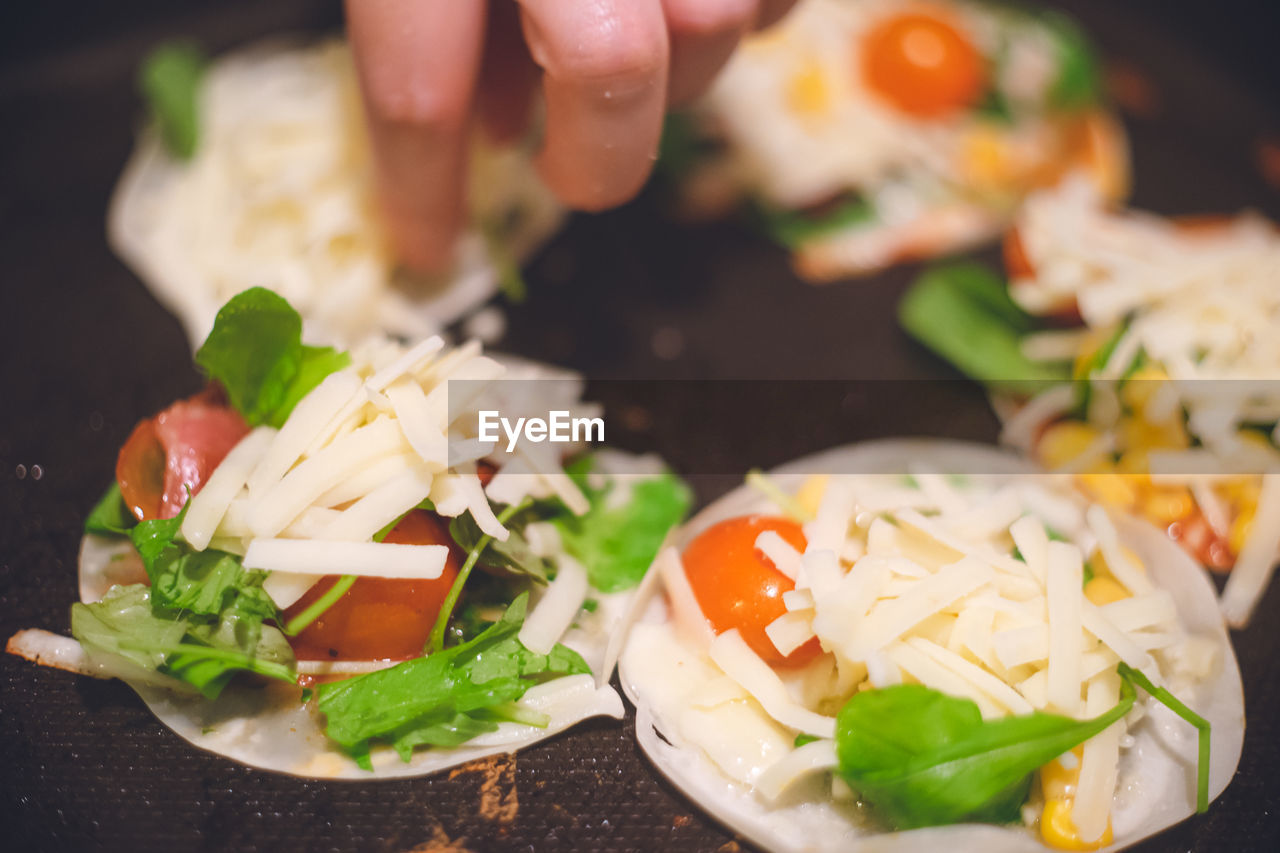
<point>922,64</point>
<point>738,587</point>
<point>380,618</point>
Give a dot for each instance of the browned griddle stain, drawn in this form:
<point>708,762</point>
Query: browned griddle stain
<point>729,847</point>
<point>440,842</point>
<point>680,821</point>
<point>498,800</point>
<point>1132,89</point>
<point>1267,152</point>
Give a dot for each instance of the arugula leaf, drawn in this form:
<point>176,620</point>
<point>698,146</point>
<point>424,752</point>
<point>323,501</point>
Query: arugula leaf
<point>1079,81</point>
<point>962,313</point>
<point>170,80</point>
<point>923,758</point>
<point>617,544</point>
<point>513,557</point>
<point>794,228</point>
<point>125,632</point>
<point>255,351</point>
<point>445,698</point>
<point>110,516</point>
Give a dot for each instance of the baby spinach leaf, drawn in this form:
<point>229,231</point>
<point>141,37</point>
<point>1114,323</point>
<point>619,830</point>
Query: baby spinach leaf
<point>794,228</point>
<point>1078,83</point>
<point>255,351</point>
<point>447,695</point>
<point>962,313</point>
<point>923,758</point>
<point>617,543</point>
<point>170,79</point>
<point>110,516</point>
<point>513,557</point>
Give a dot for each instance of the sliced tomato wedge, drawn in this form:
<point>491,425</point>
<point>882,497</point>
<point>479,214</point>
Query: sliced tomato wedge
<point>380,618</point>
<point>172,455</point>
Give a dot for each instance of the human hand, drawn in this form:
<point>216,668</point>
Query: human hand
<point>608,70</point>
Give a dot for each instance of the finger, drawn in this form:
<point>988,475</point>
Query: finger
<point>416,60</point>
<point>508,75</point>
<point>703,36</point>
<point>772,11</point>
<point>604,68</point>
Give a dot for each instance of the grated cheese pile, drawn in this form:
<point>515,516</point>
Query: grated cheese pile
<point>921,583</point>
<point>1201,306</point>
<point>280,194</point>
<point>370,443</point>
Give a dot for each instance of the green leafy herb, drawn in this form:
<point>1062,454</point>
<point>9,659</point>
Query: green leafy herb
<point>436,641</point>
<point>1078,83</point>
<point>923,758</point>
<point>126,632</point>
<point>513,557</point>
<point>1203,728</point>
<point>317,608</point>
<point>255,351</point>
<point>617,544</point>
<point>682,146</point>
<point>794,228</point>
<point>963,313</point>
<point>170,80</point>
<point>110,516</point>
<point>445,698</point>
<point>803,739</point>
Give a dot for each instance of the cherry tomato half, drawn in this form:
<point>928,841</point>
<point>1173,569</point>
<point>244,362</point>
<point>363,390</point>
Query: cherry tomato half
<point>737,586</point>
<point>140,471</point>
<point>922,64</point>
<point>380,618</point>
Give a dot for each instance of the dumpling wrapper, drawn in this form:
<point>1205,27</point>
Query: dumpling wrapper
<point>1162,762</point>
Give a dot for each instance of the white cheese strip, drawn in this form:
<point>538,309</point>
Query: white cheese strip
<point>424,434</point>
<point>365,559</point>
<point>557,608</point>
<point>380,507</point>
<point>881,671</point>
<point>811,758</point>
<point>933,530</point>
<point>1257,559</point>
<point>798,599</point>
<point>454,494</point>
<point>1033,543</point>
<point>311,416</point>
<point>366,480</point>
<point>891,619</point>
<point>732,654</point>
<point>1153,610</point>
<point>717,691</point>
<point>939,490</point>
<point>932,674</point>
<point>1121,564</point>
<point>987,518</point>
<point>412,360</point>
<point>790,631</point>
<point>779,551</point>
<point>828,530</point>
<point>285,588</point>
<point>981,680</point>
<point>1065,571</point>
<point>235,523</point>
<point>1097,624</point>
<point>342,667</point>
<point>209,505</point>
<point>1091,807</point>
<point>693,625</point>
<point>277,506</point>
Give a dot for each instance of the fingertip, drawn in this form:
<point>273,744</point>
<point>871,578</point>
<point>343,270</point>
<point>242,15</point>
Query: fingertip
<point>580,190</point>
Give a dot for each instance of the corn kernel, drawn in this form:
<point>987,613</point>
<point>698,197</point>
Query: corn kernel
<point>1104,590</point>
<point>1241,528</point>
<point>1058,781</point>
<point>1142,386</point>
<point>1058,831</point>
<point>1064,442</point>
<point>985,157</point>
<point>1139,434</point>
<point>1167,504</point>
<point>1116,490</point>
<point>1102,570</point>
<point>1136,464</point>
<point>808,92</point>
<point>810,495</point>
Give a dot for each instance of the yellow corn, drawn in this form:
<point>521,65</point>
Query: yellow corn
<point>1140,434</point>
<point>1064,442</point>
<point>1167,504</point>
<point>1092,342</point>
<point>1059,782</point>
<point>1104,590</point>
<point>1058,831</point>
<point>985,158</point>
<point>810,495</point>
<point>1141,387</point>
<point>808,92</point>
<point>1240,528</point>
<point>1135,463</point>
<point>1116,490</point>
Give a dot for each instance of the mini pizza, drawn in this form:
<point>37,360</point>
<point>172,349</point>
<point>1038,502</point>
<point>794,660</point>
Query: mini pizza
<point>319,566</point>
<point>861,133</point>
<point>1139,354</point>
<point>915,645</point>
<point>256,171</point>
